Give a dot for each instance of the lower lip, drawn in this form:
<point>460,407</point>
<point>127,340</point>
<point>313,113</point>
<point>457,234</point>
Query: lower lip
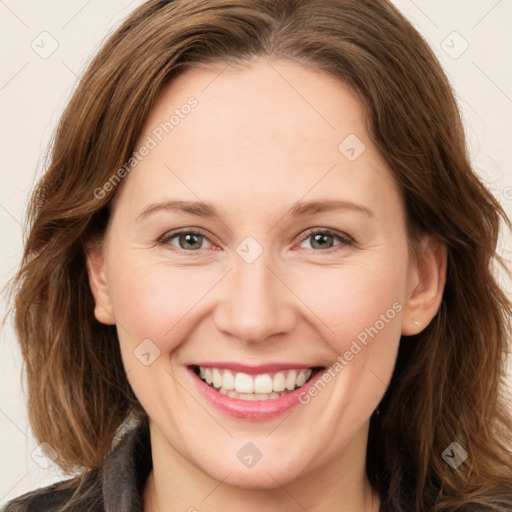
<point>255,410</point>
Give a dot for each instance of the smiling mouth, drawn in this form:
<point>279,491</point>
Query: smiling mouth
<point>264,386</point>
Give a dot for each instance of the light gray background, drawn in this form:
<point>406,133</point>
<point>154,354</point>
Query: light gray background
<point>35,86</point>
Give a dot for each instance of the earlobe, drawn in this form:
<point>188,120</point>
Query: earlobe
<point>425,287</point>
<point>98,283</point>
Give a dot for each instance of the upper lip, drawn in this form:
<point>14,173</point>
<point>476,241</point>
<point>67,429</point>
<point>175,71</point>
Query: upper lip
<point>254,369</point>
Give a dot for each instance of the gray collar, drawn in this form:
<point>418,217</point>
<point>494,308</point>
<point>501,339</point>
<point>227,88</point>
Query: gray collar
<point>125,471</point>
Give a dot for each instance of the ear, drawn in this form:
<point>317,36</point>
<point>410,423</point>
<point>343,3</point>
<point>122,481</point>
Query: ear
<point>425,285</point>
<point>98,282</point>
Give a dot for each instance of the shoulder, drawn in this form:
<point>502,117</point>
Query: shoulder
<point>61,494</point>
<point>117,485</point>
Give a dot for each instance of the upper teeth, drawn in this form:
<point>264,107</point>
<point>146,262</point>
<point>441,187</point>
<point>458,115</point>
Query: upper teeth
<point>262,383</point>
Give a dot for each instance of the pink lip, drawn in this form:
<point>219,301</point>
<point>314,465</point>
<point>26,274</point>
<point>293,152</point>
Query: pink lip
<point>253,410</point>
<point>253,370</point>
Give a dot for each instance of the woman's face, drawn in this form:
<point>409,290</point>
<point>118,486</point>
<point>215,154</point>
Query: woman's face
<point>259,235</point>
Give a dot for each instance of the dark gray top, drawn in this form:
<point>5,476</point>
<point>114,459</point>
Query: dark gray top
<point>118,485</point>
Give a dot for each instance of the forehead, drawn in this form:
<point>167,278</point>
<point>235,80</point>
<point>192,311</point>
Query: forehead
<point>268,131</point>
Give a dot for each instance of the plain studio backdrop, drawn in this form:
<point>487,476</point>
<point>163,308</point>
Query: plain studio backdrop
<point>45,47</point>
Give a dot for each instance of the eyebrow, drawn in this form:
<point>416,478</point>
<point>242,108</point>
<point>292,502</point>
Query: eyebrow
<point>205,209</point>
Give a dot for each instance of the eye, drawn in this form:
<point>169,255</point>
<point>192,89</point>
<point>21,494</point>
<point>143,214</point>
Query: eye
<point>323,239</point>
<point>188,241</point>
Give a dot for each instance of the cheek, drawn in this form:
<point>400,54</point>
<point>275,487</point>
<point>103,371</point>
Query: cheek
<point>360,308</point>
<point>355,299</point>
<point>152,301</point>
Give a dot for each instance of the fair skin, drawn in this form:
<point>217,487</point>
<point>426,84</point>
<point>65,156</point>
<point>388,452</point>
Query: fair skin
<point>253,147</point>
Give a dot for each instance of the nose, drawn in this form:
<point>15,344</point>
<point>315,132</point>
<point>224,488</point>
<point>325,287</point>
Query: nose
<point>256,305</point>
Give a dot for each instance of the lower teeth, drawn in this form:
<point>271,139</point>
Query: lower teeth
<point>249,396</point>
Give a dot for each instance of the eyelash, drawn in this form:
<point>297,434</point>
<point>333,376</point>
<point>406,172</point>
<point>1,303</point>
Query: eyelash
<point>344,239</point>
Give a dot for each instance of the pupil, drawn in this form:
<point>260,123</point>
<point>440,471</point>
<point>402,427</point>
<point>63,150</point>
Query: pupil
<point>189,239</point>
<point>319,237</point>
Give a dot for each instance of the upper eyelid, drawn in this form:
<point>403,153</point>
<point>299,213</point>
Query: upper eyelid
<point>329,231</point>
<point>344,238</point>
<point>173,233</point>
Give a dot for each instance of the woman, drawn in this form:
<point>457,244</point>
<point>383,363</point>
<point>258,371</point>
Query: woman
<point>259,272</point>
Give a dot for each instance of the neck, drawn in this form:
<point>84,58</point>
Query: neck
<point>176,484</point>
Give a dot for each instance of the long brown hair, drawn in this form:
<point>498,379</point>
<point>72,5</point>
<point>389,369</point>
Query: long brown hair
<point>448,381</point>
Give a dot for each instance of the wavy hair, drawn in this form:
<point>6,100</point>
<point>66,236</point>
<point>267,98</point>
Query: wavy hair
<point>448,384</point>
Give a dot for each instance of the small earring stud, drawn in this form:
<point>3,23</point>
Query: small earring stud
<point>417,322</point>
